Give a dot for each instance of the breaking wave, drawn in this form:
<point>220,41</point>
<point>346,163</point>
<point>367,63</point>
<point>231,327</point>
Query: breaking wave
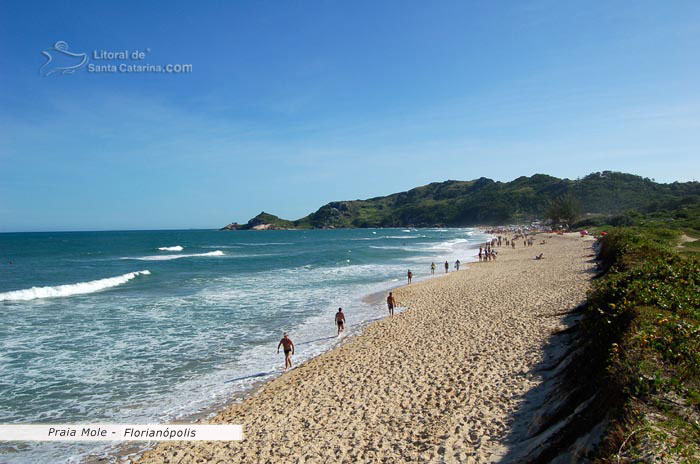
<point>69,289</point>
<point>172,248</point>
<point>169,257</point>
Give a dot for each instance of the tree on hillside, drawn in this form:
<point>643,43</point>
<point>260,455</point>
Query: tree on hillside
<point>564,210</point>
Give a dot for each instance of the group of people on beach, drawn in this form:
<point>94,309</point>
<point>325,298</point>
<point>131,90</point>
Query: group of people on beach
<point>288,345</point>
<point>487,252</point>
<point>409,274</point>
<point>432,269</point>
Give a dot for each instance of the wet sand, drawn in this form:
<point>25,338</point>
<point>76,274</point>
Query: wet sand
<point>438,383</point>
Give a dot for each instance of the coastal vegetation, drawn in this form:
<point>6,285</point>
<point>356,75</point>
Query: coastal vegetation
<point>642,332</point>
<point>593,198</point>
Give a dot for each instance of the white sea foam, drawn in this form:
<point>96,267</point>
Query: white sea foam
<point>448,244</point>
<point>393,237</point>
<point>169,257</point>
<point>395,248</point>
<point>69,289</point>
<point>171,248</point>
<point>422,246</point>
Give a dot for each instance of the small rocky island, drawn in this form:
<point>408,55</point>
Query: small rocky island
<point>262,221</point>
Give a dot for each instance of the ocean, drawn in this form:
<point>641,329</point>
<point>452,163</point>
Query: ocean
<point>158,326</point>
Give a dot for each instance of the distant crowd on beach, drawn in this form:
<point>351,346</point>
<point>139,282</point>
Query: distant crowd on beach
<point>487,251</point>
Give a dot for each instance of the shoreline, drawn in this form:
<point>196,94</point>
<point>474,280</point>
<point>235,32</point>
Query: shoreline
<point>132,453</point>
<point>362,386</point>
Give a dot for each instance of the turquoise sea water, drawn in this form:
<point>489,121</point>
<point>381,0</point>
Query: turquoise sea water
<point>156,326</point>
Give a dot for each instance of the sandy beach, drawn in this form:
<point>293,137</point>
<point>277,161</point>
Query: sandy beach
<point>439,382</point>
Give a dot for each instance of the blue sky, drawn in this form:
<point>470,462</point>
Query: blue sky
<point>290,105</point>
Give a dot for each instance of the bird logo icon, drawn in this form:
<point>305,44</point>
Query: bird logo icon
<point>60,60</point>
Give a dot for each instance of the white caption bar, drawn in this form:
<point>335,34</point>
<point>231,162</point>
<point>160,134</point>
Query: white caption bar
<point>120,432</point>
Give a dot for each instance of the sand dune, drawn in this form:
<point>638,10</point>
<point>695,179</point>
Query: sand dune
<point>438,383</point>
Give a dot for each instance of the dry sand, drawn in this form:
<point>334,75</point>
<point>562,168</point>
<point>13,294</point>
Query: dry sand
<point>437,383</point>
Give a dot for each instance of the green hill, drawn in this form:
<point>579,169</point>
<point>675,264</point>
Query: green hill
<point>484,201</point>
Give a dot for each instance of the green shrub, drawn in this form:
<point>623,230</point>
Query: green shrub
<point>643,322</point>
<point>624,247</point>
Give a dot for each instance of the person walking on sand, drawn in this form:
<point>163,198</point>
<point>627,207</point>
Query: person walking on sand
<point>447,267</point>
<point>288,345</point>
<point>391,302</point>
<point>340,320</point>
<point>409,275</point>
<point>432,268</point>
<point>457,263</point>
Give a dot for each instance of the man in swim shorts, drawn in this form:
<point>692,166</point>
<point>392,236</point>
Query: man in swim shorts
<point>340,320</point>
<point>288,345</point>
<point>390,302</point>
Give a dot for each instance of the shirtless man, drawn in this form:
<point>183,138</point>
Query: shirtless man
<point>340,320</point>
<point>391,302</point>
<point>288,350</point>
<point>447,267</point>
<point>409,275</point>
